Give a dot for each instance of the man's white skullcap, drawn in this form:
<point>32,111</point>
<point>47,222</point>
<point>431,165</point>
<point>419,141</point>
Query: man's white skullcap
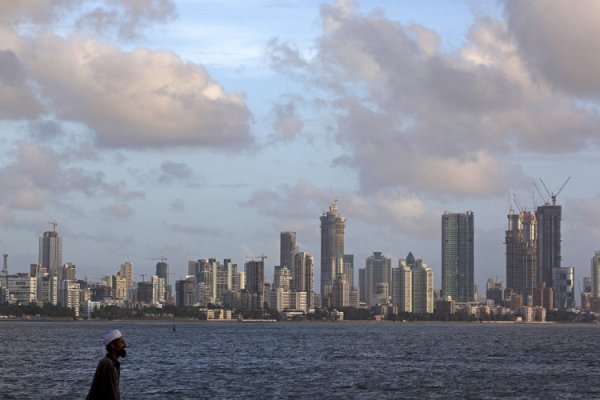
<point>112,335</point>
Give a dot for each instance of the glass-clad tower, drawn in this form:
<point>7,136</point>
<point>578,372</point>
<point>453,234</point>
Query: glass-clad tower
<point>458,256</point>
<point>332,247</point>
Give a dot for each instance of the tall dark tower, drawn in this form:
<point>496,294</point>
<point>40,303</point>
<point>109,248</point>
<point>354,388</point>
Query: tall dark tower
<point>287,249</point>
<point>50,251</point>
<point>548,241</point>
<point>332,247</point>
<point>458,256</point>
<point>521,252</point>
<point>162,270</point>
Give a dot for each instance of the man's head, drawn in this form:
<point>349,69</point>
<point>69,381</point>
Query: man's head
<point>115,343</point>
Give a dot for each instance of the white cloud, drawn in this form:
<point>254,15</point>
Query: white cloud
<point>410,117</point>
<point>136,99</point>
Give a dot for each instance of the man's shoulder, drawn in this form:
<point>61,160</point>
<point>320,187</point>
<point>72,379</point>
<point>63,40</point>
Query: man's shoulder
<point>106,362</point>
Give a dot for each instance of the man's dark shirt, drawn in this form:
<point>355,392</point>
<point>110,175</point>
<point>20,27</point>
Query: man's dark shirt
<point>105,385</point>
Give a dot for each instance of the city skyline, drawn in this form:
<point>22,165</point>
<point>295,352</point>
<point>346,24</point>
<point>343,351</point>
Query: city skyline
<point>188,130</point>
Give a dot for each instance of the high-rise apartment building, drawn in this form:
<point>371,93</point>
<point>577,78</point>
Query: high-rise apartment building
<point>287,249</point>
<point>281,278</point>
<point>162,271</point>
<point>378,274</point>
<point>422,287</point>
<point>596,275</point>
<point>303,279</point>
<point>521,252</point>
<point>255,277</point>
<point>332,248</point>
<point>341,292</point>
<point>126,271</point>
<point>548,219</point>
<point>458,256</point>
<point>564,287</point>
<point>50,252</point>
<point>349,269</point>
<point>402,287</point>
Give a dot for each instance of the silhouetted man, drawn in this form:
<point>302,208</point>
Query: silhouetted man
<point>105,385</point>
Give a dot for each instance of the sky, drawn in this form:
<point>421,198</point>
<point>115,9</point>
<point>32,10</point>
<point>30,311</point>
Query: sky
<point>202,129</point>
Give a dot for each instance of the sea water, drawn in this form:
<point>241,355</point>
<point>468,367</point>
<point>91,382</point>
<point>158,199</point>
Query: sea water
<point>298,360</point>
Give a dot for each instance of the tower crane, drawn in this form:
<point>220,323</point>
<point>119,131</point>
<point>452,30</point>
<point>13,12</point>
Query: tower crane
<point>261,257</point>
<point>54,225</point>
<point>553,196</point>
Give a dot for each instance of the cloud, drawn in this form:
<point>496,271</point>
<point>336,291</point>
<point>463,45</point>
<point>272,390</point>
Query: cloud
<point>120,210</point>
<point>177,205</point>
<point>17,100</point>
<point>193,230</point>
<point>287,124</point>
<point>40,12</point>
<point>127,18</point>
<point>414,119</point>
<point>171,171</point>
<point>36,177</point>
<point>559,41</point>
<point>295,205</point>
<point>135,99</point>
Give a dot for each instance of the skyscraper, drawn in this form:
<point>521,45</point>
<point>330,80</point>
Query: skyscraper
<point>378,271</point>
<point>303,279</point>
<point>162,271</point>
<point>50,252</point>
<point>126,272</point>
<point>255,277</point>
<point>332,247</point>
<point>548,219</point>
<point>521,252</point>
<point>349,269</point>
<point>422,288</point>
<point>287,249</point>
<point>458,256</point>
<point>596,275</point>
<point>402,287</point>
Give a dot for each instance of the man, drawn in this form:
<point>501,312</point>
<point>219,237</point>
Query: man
<point>105,385</point>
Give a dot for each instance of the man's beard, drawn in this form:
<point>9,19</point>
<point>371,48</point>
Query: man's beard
<point>123,353</point>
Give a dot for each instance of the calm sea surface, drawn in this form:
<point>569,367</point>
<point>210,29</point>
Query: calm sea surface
<point>56,360</point>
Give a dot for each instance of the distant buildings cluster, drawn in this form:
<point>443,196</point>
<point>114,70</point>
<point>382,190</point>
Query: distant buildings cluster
<point>535,279</point>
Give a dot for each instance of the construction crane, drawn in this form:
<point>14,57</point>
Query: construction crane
<point>540,193</point>
<point>261,257</point>
<point>518,204</point>
<point>143,277</point>
<point>553,196</point>
<point>54,225</point>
